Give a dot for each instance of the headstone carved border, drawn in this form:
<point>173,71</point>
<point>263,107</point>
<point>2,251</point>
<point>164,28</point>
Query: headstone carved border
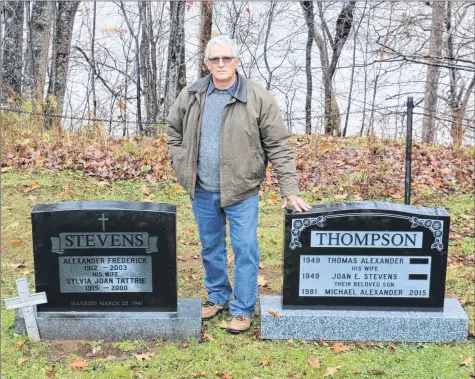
<point>300,224</point>
<point>435,226</point>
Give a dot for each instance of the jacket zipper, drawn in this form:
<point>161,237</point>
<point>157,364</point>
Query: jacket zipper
<point>196,143</point>
<point>226,110</point>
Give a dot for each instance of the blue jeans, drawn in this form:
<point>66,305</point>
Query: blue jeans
<point>211,220</point>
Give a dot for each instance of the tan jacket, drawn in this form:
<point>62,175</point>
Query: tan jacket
<point>252,131</point>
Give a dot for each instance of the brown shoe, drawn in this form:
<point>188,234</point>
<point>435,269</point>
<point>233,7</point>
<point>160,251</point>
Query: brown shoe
<point>210,309</point>
<point>239,324</point>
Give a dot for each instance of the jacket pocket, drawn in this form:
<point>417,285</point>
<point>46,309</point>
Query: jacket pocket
<point>258,166</point>
<point>179,166</point>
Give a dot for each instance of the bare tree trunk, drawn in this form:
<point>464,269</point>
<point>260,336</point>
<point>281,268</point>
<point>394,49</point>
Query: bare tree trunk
<point>457,117</point>
<point>93,62</point>
<point>365,91</point>
<point>144,58</point>
<point>355,35</point>
<point>206,23</point>
<point>153,70</point>
<point>307,7</point>
<point>342,31</point>
<point>42,18</point>
<point>13,44</point>
<point>64,28</point>
<point>176,70</point>
<point>433,71</point>
<point>28,80</point>
<point>270,72</point>
<point>137,67</point>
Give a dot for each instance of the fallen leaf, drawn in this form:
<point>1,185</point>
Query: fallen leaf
<point>146,191</point>
<point>331,370</point>
<point>261,265</point>
<point>224,375</point>
<point>265,362</point>
<point>314,362</point>
<point>356,372</point>
<point>224,324</point>
<point>144,356</point>
<point>471,333</point>
<point>14,225</point>
<point>287,362</point>
<point>183,346</point>
<point>339,347</point>
<point>261,281</point>
<point>230,258</point>
<point>177,190</point>
<point>276,314</point>
<point>377,372</point>
<point>341,197</point>
<point>17,265</point>
<point>324,147</point>
<point>50,374</point>
<point>290,342</point>
<point>207,337</point>
<point>273,199</point>
<point>78,364</point>
<point>21,360</point>
<point>256,334</point>
<point>181,258</point>
<point>321,343</point>
<point>196,256</point>
<point>31,187</point>
<point>392,347</point>
<point>198,374</point>
<point>466,362</point>
<point>16,242</point>
<point>20,343</point>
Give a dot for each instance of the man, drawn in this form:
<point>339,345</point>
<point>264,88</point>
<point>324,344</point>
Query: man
<point>221,131</point>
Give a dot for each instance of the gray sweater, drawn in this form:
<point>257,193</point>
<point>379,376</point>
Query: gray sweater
<point>210,136</point>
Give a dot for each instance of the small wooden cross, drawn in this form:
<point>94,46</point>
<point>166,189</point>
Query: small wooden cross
<point>25,300</point>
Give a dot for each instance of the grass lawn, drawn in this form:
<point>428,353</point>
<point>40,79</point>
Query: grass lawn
<point>218,354</point>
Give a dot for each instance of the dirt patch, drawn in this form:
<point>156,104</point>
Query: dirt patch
<point>272,274</point>
<point>62,350</point>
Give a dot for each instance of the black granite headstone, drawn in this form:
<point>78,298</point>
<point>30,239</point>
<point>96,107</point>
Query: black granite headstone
<point>105,256</point>
<point>365,254</point>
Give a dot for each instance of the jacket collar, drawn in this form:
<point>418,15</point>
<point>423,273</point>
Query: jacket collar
<point>202,84</point>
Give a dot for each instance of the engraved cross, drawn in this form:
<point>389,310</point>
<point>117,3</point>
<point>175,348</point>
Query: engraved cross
<point>103,219</point>
<point>25,301</point>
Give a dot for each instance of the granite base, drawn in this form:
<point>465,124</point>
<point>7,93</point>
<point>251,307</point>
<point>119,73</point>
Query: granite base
<point>447,325</point>
<point>115,326</point>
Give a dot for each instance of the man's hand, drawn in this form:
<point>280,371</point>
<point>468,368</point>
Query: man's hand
<point>296,201</point>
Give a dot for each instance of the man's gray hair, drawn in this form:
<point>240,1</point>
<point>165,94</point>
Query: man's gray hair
<point>222,40</point>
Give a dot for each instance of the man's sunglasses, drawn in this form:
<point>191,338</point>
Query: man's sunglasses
<point>215,60</point>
